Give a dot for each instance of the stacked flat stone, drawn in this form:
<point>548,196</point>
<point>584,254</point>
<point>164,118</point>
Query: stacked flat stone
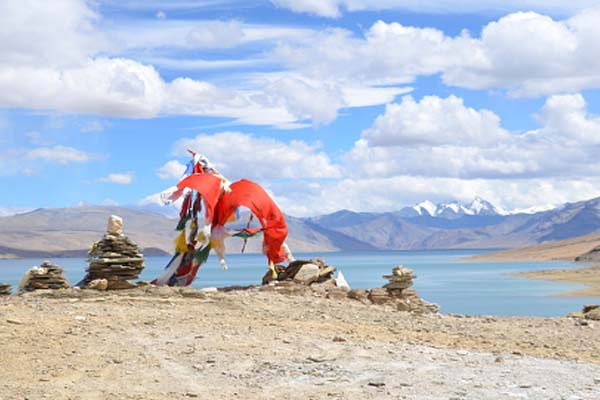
<point>115,258</point>
<point>401,279</point>
<point>5,289</point>
<point>397,292</point>
<point>46,276</point>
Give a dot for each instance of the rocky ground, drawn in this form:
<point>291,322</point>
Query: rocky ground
<point>162,343</point>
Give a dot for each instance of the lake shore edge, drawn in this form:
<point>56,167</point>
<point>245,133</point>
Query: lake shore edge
<point>588,276</point>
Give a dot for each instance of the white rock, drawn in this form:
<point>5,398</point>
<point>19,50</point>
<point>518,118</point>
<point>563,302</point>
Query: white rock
<point>340,281</point>
<point>115,225</point>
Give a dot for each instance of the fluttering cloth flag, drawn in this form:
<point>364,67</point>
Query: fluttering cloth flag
<point>209,186</point>
<point>252,196</point>
<point>221,203</point>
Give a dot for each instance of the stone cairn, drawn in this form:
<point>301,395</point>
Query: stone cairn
<point>114,260</point>
<point>5,289</point>
<point>46,276</point>
<point>398,292</point>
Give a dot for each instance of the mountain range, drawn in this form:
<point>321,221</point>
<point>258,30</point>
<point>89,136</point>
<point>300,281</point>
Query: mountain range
<point>479,224</point>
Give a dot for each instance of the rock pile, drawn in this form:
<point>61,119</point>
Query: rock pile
<point>46,276</point>
<point>5,289</point>
<point>115,258</point>
<point>302,271</point>
<point>397,292</point>
<point>314,277</point>
<point>589,311</point>
<point>401,278</point>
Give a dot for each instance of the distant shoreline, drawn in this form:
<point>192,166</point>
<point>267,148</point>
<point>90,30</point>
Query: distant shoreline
<point>588,276</point>
<point>562,250</point>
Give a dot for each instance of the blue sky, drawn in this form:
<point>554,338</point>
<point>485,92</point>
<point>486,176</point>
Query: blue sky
<point>332,104</point>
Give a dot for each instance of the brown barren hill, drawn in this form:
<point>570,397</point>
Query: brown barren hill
<point>566,249</point>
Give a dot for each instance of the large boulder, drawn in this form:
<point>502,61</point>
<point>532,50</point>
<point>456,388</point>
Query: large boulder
<point>593,314</point>
<point>307,274</point>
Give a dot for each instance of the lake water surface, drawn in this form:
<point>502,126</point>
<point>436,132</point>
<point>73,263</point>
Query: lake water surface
<point>442,278</point>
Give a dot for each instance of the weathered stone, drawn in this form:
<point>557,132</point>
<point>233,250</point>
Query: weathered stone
<point>98,284</point>
<point>397,278</point>
<point>337,293</point>
<point>268,277</point>
<point>402,306</point>
<point>379,296</point>
<point>5,289</point>
<point>307,274</point>
<point>401,271</point>
<point>324,285</point>
<point>191,293</point>
<point>293,268</point>
<point>318,262</point>
<point>590,307</point>
<point>575,314</point>
<point>325,274</point>
<point>398,285</point>
<point>118,284</point>
<point>358,294</point>
<point>115,225</point>
<point>399,293</point>
<point>593,314</point>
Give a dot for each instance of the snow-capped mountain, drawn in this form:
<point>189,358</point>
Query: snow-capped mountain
<point>453,209</point>
<point>536,209</point>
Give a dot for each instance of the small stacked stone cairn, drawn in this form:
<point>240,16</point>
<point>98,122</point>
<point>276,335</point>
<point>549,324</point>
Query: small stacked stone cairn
<point>46,276</point>
<point>401,278</point>
<point>397,292</point>
<point>115,258</point>
<point>5,289</point>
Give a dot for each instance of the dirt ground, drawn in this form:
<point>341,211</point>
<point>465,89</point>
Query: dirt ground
<point>163,343</point>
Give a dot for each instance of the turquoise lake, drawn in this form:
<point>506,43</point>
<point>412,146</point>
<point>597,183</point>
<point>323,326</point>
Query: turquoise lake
<point>442,277</point>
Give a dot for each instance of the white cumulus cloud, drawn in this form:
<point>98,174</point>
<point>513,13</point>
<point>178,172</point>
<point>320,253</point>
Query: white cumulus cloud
<point>171,170</point>
<point>58,154</point>
<point>237,155</point>
<point>442,138</point>
<point>435,121</point>
<point>525,53</point>
<point>119,178</point>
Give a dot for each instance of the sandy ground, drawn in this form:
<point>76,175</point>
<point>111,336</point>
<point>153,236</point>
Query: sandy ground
<point>589,276</point>
<point>565,250</point>
<point>154,343</point>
